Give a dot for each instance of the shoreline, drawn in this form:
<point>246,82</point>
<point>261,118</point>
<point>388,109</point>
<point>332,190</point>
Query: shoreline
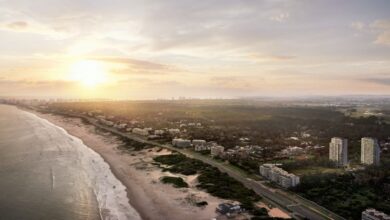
<point>147,195</point>
<point>114,181</point>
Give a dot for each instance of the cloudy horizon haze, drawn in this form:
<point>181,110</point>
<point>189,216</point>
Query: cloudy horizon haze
<point>202,49</point>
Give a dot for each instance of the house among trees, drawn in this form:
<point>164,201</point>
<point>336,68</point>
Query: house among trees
<point>228,209</point>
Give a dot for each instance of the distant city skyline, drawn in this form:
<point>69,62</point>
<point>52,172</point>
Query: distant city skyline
<point>214,49</point>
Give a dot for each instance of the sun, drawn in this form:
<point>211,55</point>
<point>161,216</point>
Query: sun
<point>90,73</point>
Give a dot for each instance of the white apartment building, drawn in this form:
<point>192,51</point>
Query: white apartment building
<point>122,126</point>
<point>370,151</point>
<point>198,142</point>
<point>174,131</point>
<point>216,150</point>
<point>199,145</point>
<point>106,122</point>
<point>178,142</point>
<point>140,131</point>
<point>372,214</point>
<point>159,132</point>
<point>338,151</point>
<point>278,175</point>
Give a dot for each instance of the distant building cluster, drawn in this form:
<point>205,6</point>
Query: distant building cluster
<point>132,126</point>
<point>370,151</point>
<point>278,175</point>
<point>198,145</point>
<point>135,127</point>
<point>292,151</point>
<point>372,214</point>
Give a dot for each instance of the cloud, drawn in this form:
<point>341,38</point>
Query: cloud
<point>381,24</point>
<point>17,25</point>
<point>35,28</point>
<point>383,27</point>
<point>280,17</point>
<point>36,83</point>
<point>383,38</point>
<point>38,88</point>
<point>136,66</point>
<point>357,25</point>
<point>247,40</point>
<point>150,82</point>
<point>271,58</point>
<point>135,63</point>
<point>380,81</point>
<point>235,82</point>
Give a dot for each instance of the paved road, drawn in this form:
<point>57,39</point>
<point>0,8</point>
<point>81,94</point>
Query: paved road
<point>297,207</point>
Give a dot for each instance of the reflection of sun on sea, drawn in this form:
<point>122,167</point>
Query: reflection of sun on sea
<point>88,72</point>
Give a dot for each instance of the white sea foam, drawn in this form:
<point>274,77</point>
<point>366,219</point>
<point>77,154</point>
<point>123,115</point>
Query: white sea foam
<point>109,191</point>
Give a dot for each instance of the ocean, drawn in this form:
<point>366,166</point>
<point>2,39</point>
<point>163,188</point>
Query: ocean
<point>45,173</point>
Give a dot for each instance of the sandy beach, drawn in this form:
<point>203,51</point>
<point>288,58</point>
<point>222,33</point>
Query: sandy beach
<point>151,198</point>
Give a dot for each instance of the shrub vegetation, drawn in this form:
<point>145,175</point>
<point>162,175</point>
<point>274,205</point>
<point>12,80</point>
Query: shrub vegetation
<point>210,179</point>
<point>177,182</point>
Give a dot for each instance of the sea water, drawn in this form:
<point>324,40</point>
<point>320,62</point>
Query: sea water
<point>45,173</point>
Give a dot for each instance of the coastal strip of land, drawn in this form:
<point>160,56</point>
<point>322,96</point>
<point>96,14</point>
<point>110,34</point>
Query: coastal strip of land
<point>296,207</point>
<point>147,194</point>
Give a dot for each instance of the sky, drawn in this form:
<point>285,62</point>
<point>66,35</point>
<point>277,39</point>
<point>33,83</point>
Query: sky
<point>125,49</point>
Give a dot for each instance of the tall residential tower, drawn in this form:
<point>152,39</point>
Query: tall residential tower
<point>370,151</point>
<point>338,151</point>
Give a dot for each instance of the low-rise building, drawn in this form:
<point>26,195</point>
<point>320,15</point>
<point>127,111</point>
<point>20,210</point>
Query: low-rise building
<point>243,153</point>
<point>199,145</point>
<point>182,143</point>
<point>216,151</point>
<point>153,137</point>
<point>196,142</point>
<point>134,122</point>
<point>278,175</point>
<point>110,117</point>
<point>122,126</point>
<point>373,214</point>
<point>106,122</point>
<point>159,132</point>
<point>174,131</point>
<point>206,146</point>
<point>228,209</point>
<point>230,155</point>
<point>101,117</point>
<point>140,131</point>
<point>289,151</point>
<point>244,140</point>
